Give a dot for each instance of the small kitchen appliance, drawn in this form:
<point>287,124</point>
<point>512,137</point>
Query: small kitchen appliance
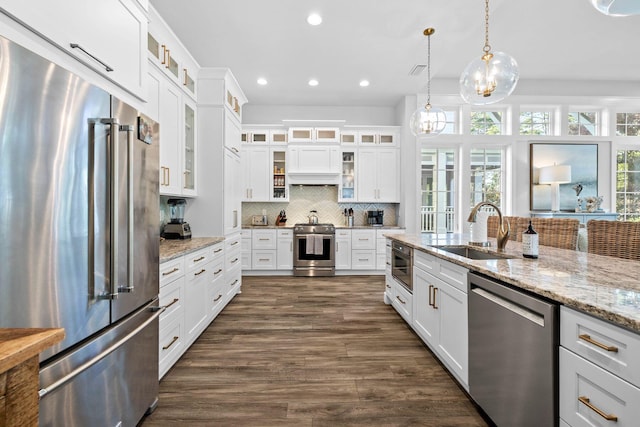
<point>375,218</point>
<point>259,220</point>
<point>313,217</point>
<point>177,228</point>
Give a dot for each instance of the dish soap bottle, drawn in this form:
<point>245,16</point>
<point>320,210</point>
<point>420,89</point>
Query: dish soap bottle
<point>530,242</point>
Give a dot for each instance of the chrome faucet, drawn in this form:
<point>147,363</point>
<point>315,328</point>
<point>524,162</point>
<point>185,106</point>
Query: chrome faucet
<point>503,228</point>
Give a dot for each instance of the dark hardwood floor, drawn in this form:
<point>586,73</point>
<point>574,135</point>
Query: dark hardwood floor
<point>310,352</point>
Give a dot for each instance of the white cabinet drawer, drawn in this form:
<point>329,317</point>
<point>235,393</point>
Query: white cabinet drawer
<point>403,303</point>
<point>195,260</point>
<point>447,271</point>
<point>215,271</point>
<point>363,259</point>
<point>263,239</point>
<point>263,260</point>
<point>172,297</point>
<point>584,334</point>
<point>363,239</point>
<point>232,260</point>
<point>171,344</point>
<point>426,262</point>
<point>285,233</point>
<point>586,389</point>
<point>216,299</point>
<point>232,243</point>
<point>171,270</point>
<point>217,251</point>
<point>342,233</point>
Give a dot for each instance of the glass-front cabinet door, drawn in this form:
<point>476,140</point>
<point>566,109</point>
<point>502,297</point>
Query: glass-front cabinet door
<point>279,192</point>
<point>189,173</point>
<point>347,191</point>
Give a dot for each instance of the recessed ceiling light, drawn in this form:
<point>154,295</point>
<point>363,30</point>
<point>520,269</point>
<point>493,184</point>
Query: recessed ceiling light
<point>262,81</point>
<point>313,82</point>
<point>314,19</point>
<point>364,83</point>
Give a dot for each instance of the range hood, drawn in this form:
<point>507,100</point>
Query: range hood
<point>313,178</point>
<point>314,164</point>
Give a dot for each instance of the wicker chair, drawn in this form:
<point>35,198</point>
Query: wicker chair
<point>492,227</point>
<point>619,239</point>
<point>556,232</point>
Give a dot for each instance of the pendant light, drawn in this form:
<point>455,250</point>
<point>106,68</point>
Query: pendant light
<point>428,120</point>
<point>492,77</point>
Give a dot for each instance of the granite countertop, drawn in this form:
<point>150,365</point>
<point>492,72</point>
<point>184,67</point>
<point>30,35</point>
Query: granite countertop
<point>171,249</point>
<point>21,344</point>
<point>605,287</point>
<point>336,226</point>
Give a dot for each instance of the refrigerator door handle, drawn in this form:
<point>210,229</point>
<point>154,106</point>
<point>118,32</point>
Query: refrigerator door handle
<point>89,363</point>
<point>128,287</point>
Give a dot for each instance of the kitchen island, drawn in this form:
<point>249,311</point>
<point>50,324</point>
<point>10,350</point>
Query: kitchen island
<point>605,287</point>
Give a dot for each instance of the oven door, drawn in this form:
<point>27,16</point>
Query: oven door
<point>305,255</point>
<point>402,268</point>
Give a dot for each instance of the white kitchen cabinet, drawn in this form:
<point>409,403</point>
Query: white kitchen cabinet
<point>599,371</point>
<point>313,134</point>
<point>381,137</point>
<point>440,315</point>
<point>377,175</point>
<point>197,268</point>
<point>314,159</point>
<point>348,138</point>
<point>347,190</point>
<point>363,259</point>
<point>246,248</point>
<point>343,249</point>
<point>363,239</point>
<point>381,245</point>
<point>256,171</point>
<point>107,36</point>
<point>171,322</point>
<point>284,254</point>
<point>189,149</point>
<point>232,203</point>
<point>255,136</point>
<point>279,183</point>
<point>402,301</point>
<point>263,247</point>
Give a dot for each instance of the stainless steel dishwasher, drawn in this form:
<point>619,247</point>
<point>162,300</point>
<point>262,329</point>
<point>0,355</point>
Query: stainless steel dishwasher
<point>513,354</point>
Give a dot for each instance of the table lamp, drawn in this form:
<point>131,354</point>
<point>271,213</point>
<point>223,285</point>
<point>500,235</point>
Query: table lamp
<point>555,175</point>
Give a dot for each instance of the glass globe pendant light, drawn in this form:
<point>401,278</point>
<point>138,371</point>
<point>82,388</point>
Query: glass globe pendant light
<point>428,120</point>
<point>490,78</point>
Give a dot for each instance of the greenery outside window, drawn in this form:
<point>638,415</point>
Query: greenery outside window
<point>583,123</point>
<point>535,123</point>
<point>486,123</point>
<point>628,124</point>
<point>487,176</point>
<point>438,185</point>
<point>628,185</point>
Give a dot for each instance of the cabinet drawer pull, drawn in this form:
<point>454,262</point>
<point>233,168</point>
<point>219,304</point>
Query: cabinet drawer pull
<point>171,343</point>
<point>216,299</point>
<point>264,259</point>
<point>261,239</point>
<point>234,260</point>
<point>234,282</point>
<point>217,251</point>
<point>166,273</point>
<point>175,300</point>
<point>363,259</point>
<point>435,307</point>
<point>430,293</point>
<point>217,271</point>
<point>585,400</point>
<point>199,272</point>
<point>77,46</point>
<point>198,259</point>
<point>400,299</point>
<point>388,287</point>
<point>590,340</point>
<point>234,243</point>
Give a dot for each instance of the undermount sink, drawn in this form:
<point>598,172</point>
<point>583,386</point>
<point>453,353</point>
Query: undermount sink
<point>472,253</point>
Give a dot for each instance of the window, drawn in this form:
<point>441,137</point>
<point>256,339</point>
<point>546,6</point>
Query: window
<point>451,123</point>
<point>487,176</point>
<point>535,123</point>
<point>583,123</point>
<point>628,124</point>
<point>438,190</point>
<point>628,185</point>
<point>486,123</point>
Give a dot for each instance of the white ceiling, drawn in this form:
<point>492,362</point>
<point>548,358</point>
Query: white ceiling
<point>381,40</point>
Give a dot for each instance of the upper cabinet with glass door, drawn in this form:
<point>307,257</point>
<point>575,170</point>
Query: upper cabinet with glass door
<point>312,134</point>
<point>189,176</point>
<point>347,187</point>
<point>383,136</point>
<point>167,53</point>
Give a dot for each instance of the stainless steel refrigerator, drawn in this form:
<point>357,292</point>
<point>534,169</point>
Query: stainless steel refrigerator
<point>79,238</point>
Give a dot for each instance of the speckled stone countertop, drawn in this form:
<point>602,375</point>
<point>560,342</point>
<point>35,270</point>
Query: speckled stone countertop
<point>171,249</point>
<point>606,287</point>
<point>368,227</point>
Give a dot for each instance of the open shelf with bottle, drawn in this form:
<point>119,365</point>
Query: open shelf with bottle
<point>279,182</point>
<point>347,191</point>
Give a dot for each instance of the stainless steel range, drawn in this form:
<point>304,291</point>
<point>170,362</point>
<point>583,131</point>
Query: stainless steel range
<point>314,250</point>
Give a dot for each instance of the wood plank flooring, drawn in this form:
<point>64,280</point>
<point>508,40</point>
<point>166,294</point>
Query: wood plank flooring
<point>293,351</point>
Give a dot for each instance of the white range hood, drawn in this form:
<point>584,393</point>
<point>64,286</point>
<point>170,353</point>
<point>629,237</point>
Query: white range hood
<point>314,164</point>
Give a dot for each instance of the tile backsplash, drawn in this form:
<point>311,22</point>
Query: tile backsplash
<point>324,199</point>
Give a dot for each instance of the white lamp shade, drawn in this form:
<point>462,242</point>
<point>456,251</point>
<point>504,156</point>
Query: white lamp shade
<point>559,174</point>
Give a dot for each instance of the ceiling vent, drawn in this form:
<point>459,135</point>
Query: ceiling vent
<point>417,69</point>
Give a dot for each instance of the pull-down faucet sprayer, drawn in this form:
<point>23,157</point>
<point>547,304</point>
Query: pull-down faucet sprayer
<point>503,227</point>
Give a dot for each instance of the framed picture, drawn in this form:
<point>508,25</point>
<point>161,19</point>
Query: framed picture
<point>583,162</point>
<point>145,129</point>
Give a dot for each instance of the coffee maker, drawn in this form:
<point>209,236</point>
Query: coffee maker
<point>177,228</point>
<point>375,218</point>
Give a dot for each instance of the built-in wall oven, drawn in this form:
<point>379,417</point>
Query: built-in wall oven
<point>402,264</point>
<point>314,250</point>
